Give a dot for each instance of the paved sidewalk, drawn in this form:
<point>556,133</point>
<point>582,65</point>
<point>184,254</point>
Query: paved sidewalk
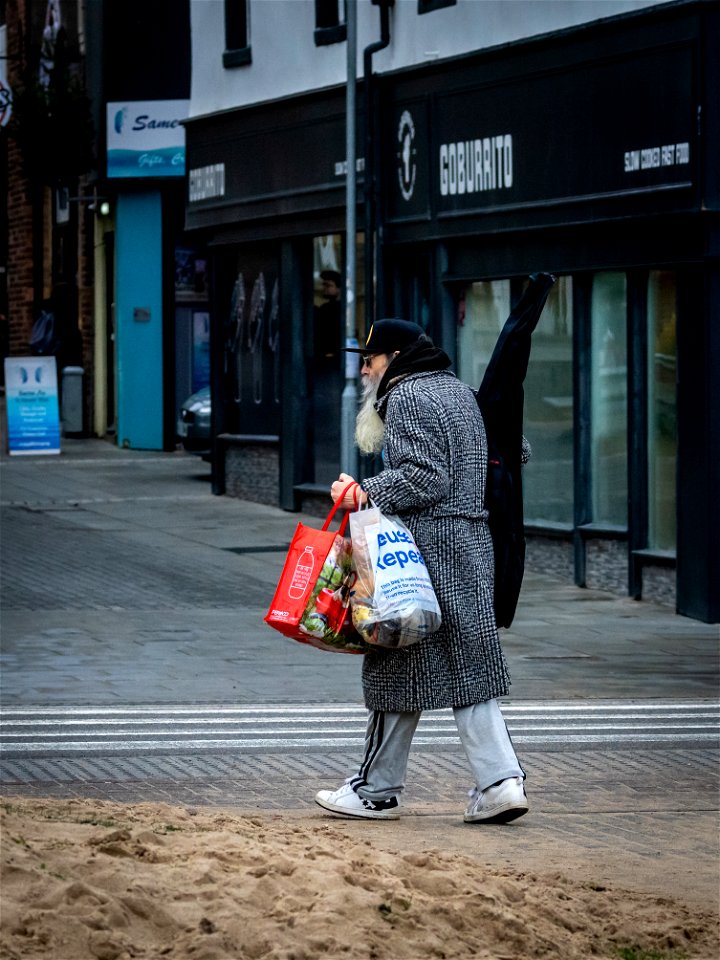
<point>125,582</point>
<point>118,560</point>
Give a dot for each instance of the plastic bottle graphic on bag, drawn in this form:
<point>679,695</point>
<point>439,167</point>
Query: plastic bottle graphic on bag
<point>303,572</point>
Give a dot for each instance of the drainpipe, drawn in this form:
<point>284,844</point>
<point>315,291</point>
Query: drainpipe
<point>373,279</point>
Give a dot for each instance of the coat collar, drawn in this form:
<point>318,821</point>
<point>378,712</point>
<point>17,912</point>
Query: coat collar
<point>382,402</point>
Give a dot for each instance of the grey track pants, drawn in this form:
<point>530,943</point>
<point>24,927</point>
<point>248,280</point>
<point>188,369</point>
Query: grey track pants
<point>388,739</point>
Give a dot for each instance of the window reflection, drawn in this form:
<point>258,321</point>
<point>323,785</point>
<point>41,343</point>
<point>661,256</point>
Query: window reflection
<point>483,312</point>
<point>548,477</point>
<point>252,340</point>
<point>662,415</point>
<point>609,399</point>
<point>326,365</point>
<point>548,423</point>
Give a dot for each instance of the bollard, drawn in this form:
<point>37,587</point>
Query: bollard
<point>72,400</point>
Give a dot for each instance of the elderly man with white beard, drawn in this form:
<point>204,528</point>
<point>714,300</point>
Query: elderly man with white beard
<point>429,429</point>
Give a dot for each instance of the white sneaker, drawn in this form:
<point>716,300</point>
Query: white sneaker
<point>347,802</point>
<point>501,803</point>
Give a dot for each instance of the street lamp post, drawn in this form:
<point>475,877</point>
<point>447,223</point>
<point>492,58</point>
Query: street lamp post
<point>348,450</point>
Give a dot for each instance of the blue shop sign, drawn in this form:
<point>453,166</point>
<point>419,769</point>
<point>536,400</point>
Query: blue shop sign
<point>146,138</point>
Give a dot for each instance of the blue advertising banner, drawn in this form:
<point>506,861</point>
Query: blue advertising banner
<point>146,138</point>
<point>33,414</point>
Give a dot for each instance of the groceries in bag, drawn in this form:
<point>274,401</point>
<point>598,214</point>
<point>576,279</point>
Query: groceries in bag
<point>312,600</point>
<point>393,602</point>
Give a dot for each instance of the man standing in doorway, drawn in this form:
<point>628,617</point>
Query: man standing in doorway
<point>428,426</point>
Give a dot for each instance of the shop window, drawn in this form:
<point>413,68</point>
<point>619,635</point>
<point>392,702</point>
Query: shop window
<point>251,333</point>
<point>411,286</point>
<point>192,323</point>
<point>237,33</point>
<point>548,422</point>
<point>483,312</point>
<point>427,6</point>
<point>608,386</point>
<point>326,359</point>
<point>662,415</point>
<point>327,364</point>
<point>330,26</point>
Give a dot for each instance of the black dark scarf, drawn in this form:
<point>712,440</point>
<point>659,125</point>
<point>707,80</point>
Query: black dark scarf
<point>420,357</point>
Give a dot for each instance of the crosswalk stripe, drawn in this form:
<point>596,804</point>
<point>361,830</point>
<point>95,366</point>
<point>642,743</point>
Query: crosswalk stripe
<point>594,707</point>
<point>161,727</point>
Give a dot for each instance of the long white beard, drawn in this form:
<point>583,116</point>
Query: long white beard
<point>369,428</point>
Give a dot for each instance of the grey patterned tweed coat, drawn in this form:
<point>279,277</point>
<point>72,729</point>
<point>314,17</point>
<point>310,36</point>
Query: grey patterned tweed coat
<point>436,463</point>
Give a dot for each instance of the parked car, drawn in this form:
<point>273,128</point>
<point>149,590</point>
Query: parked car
<point>193,426</point>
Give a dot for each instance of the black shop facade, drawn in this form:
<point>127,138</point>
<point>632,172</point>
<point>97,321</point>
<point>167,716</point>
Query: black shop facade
<point>590,154</point>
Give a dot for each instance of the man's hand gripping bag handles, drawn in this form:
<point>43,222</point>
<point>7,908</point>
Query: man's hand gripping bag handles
<point>312,600</point>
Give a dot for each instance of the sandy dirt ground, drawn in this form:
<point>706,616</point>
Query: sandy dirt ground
<point>105,881</point>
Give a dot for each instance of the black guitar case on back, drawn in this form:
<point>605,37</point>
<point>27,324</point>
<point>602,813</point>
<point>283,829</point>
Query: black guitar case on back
<point>500,399</point>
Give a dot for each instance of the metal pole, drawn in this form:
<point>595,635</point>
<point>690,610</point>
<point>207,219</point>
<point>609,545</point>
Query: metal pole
<point>348,450</point>
<point>374,288</point>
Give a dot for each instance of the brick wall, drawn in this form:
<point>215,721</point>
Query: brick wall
<point>552,556</point>
<point>30,268</point>
<point>21,228</point>
<point>85,306</point>
<point>659,584</point>
<point>20,255</point>
<point>252,472</point>
<point>607,565</point>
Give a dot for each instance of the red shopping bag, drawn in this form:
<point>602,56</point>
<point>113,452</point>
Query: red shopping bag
<point>312,600</point>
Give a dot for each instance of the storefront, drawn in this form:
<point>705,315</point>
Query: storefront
<point>267,193</point>
<point>150,335</point>
<point>591,154</point>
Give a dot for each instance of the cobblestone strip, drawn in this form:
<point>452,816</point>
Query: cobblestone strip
<point>611,779</point>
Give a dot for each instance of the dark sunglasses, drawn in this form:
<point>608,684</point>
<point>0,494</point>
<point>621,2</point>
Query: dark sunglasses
<point>367,359</point>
